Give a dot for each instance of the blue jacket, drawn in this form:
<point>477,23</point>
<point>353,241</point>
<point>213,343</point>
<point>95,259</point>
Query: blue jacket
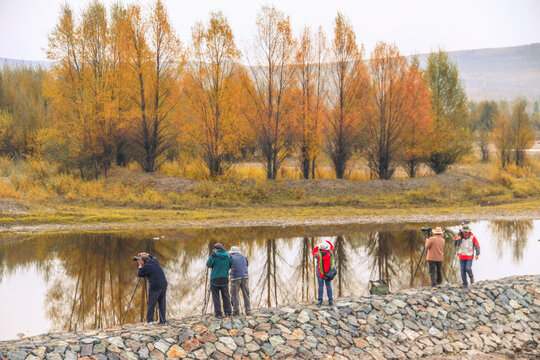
<point>239,268</point>
<point>153,271</point>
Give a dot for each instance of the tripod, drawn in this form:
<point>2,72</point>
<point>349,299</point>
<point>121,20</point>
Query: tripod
<point>206,293</point>
<point>134,290</point>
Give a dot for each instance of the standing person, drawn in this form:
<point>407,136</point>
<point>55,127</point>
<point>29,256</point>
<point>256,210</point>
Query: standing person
<point>157,290</point>
<point>435,255</point>
<point>468,247</point>
<point>324,256</point>
<point>239,280</point>
<point>220,261</point>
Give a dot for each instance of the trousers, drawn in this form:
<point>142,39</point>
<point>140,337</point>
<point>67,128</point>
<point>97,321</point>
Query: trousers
<point>159,297</point>
<point>328,284</point>
<point>219,292</point>
<point>435,268</point>
<point>238,285</point>
<point>466,269</point>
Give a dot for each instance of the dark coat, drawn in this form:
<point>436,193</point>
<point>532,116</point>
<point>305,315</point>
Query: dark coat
<point>153,271</point>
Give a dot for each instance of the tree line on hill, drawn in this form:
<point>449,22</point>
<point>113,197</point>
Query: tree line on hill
<point>123,87</point>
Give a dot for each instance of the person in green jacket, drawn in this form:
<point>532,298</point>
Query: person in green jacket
<point>220,262</point>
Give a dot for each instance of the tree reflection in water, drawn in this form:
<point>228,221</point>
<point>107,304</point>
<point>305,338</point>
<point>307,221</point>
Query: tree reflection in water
<point>90,277</point>
<point>514,234</point>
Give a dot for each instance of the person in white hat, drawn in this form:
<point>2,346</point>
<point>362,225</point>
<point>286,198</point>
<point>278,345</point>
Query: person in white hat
<point>435,255</point>
<point>468,247</point>
<point>324,254</point>
<point>239,281</point>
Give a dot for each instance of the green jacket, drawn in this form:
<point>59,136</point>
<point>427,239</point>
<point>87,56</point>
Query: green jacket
<point>220,262</point>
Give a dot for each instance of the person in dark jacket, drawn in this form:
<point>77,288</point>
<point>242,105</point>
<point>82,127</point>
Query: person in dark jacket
<point>324,255</point>
<point>239,281</point>
<point>157,289</point>
<point>220,262</point>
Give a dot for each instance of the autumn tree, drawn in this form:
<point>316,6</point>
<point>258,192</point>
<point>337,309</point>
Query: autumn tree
<point>269,87</point>
<point>155,59</point>
<point>501,136</point>
<point>483,119</point>
<point>23,110</point>
<point>346,95</point>
<point>522,131</point>
<point>418,121</point>
<point>214,91</point>
<point>79,89</point>
<point>400,110</point>
<point>311,73</point>
<point>450,140</point>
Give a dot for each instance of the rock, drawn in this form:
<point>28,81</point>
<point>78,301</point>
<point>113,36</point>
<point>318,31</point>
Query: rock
<point>117,340</point>
<point>176,352</point>
<point>303,317</point>
<point>276,340</point>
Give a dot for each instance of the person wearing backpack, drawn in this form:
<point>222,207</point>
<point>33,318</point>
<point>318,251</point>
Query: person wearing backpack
<point>324,257</point>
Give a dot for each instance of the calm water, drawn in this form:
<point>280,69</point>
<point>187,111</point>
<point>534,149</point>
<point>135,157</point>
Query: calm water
<point>84,280</point>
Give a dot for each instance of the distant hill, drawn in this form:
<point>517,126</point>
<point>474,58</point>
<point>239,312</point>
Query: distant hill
<point>501,73</point>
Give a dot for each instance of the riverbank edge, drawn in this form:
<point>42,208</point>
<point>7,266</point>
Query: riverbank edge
<point>282,217</point>
<point>493,317</point>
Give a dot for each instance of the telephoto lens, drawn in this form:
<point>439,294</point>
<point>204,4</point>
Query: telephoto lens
<point>135,258</point>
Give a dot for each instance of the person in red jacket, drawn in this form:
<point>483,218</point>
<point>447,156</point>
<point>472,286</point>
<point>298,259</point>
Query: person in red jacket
<point>468,247</point>
<point>324,256</point>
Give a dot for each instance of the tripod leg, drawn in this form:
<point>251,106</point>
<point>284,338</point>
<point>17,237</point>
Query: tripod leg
<point>134,290</point>
<point>418,264</point>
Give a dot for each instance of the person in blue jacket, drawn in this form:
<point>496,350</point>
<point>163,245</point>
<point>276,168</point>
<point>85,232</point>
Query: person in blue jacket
<point>220,262</point>
<point>239,281</point>
<point>157,289</point>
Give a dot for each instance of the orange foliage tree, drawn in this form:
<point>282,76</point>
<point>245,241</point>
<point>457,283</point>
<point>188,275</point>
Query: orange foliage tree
<point>80,89</point>
<point>311,73</point>
<point>347,95</point>
<point>213,89</point>
<point>269,87</point>
<point>418,121</point>
<point>155,59</point>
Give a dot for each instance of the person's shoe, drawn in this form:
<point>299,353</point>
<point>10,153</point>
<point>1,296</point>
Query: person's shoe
<point>434,287</point>
<point>227,314</point>
<point>220,316</point>
<point>248,313</point>
<point>330,303</point>
<point>236,313</point>
<point>463,286</point>
<point>319,303</point>
<point>472,280</point>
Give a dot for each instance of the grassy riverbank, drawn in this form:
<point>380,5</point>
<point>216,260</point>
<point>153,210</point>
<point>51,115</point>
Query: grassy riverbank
<point>32,194</point>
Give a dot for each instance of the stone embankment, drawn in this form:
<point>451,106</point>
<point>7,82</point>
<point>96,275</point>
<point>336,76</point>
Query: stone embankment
<point>500,317</point>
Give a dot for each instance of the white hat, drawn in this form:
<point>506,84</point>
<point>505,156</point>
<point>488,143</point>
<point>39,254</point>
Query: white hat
<point>234,249</point>
<point>324,246</point>
<point>438,231</point>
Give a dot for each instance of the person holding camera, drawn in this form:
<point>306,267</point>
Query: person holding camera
<point>468,247</point>
<point>220,262</point>
<point>435,255</point>
<point>150,268</point>
<point>324,255</point>
<point>239,280</point>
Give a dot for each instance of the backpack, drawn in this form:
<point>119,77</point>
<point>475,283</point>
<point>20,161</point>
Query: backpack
<point>332,272</point>
<point>378,287</point>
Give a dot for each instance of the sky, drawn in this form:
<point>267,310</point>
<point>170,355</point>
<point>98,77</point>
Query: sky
<point>416,26</point>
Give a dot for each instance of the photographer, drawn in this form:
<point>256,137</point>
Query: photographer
<point>435,254</point>
<point>149,268</point>
<point>324,256</point>
<point>468,247</point>
<point>220,262</point>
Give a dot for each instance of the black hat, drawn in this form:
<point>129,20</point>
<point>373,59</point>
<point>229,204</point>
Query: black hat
<point>218,246</point>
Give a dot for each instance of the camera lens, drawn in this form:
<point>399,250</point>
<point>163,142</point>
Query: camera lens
<point>135,258</point>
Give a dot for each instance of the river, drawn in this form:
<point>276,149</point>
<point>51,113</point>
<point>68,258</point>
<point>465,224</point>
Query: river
<point>82,280</point>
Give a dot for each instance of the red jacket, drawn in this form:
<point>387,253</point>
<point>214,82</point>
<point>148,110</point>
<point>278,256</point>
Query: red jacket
<point>326,258</point>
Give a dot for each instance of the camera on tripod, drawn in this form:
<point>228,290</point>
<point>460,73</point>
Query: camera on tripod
<point>136,258</point>
<point>426,231</point>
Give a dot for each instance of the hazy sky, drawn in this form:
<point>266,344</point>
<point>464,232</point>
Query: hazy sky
<point>414,25</point>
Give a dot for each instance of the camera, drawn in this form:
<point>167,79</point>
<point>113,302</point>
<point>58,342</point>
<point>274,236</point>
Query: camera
<point>426,229</point>
<point>136,258</point>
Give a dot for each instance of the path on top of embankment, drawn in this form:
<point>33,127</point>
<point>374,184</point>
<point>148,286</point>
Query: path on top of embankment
<point>493,317</point>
